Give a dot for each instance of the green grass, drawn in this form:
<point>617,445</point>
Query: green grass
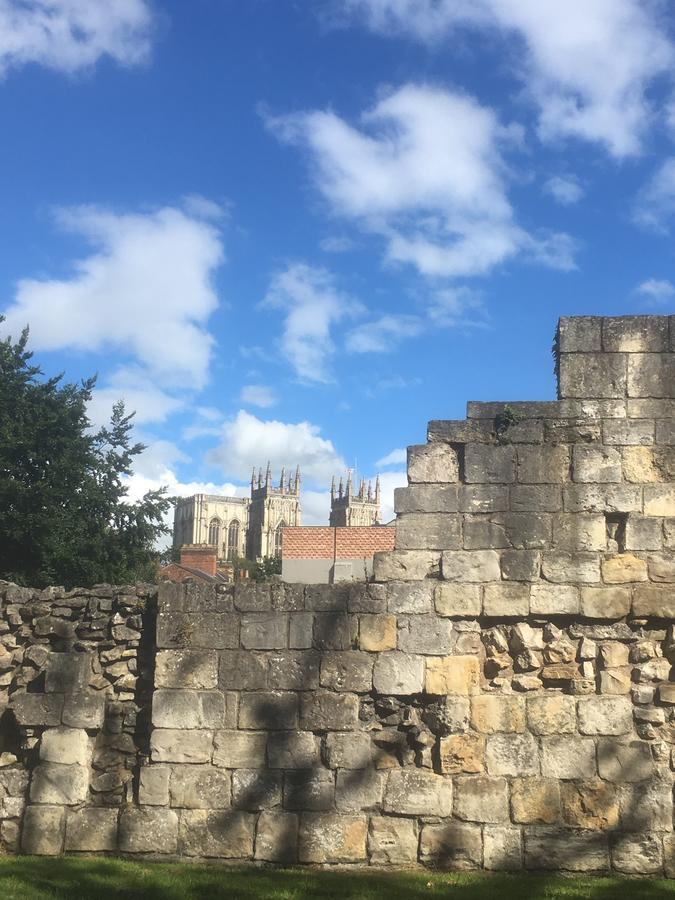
<point>31,878</point>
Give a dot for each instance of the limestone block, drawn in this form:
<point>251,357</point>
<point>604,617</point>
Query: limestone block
<point>200,787</point>
<point>521,565</point>
<point>613,654</point>
<point>535,497</point>
<point>661,567</point>
<point>309,789</point>
<point>510,599</point>
<point>295,670</point>
<point>452,675</point>
<point>548,464</point>
<point>428,531</point>
<point>512,754</point>
<point>264,631</point>
<point>180,746</point>
<point>332,839</point>
<point>640,465</point>
<point>624,760</point>
<point>568,757</point>
<point>269,710</point>
<point>654,600</point>
<point>457,599</point>
<point>196,669</point>
<point>367,598</point>
<point>489,464</point>
<point>187,709</point>
<point>597,465</point>
<point>334,631</point>
<point>398,673</point>
<point>327,597</point>
<point>637,854</point>
<point>214,631</point>
<point>462,753</point>
<point>37,709</point>
<point>470,565</point>
<point>535,801</point>
<point>615,681</point>
<point>429,635</point>
<point>593,375</point>
<point>497,712</point>
<point>551,714</point>
<point>628,433</point>
<point>659,500</point>
<point>647,805</point>
<point>426,498</point>
<point>432,463</point>
<point>669,854</point>
<point>525,637</point>
<point>605,602</point>
<point>579,531</point>
<point>581,568</point>
<point>553,848</point>
<point>292,750</point>
<point>405,565</point>
<point>148,831</point>
<point>349,670</point>
<point>403,597</point>
<point>377,633</point>
<point>667,694</point>
<point>502,849</point>
<point>483,498</point>
<point>252,597</point>
<point>84,710</point>
<point>67,672</point>
<point>635,334</point>
<point>65,745</point>
<point>61,785</point>
<point>223,835</point>
<point>481,798</point>
<point>256,789</point>
<point>300,631</point>
<point>651,375</point>
<point>348,751</point>
<point>589,804</point>
<point>554,599</point>
<point>484,533</point>
<point>244,670</point>
<point>580,334</point>
<point>418,792</point>
<point>153,787</point>
<point>392,841</point>
<point>359,789</point>
<point>276,837</point>
<point>448,714</point>
<point>643,533</point>
<point>91,830</point>
<point>43,830</point>
<point>609,498</point>
<point>665,432</point>
<point>326,711</point>
<point>452,845</point>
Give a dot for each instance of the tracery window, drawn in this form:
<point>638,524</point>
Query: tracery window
<point>214,532</point>
<point>279,538</point>
<point>233,540</point>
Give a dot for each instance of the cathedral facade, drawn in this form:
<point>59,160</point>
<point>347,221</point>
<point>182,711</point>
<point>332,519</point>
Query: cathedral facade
<point>350,507</point>
<point>241,527</point>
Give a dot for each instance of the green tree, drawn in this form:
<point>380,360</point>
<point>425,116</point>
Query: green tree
<point>64,513</point>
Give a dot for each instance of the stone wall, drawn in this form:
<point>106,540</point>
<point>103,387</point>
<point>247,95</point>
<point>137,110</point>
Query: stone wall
<point>500,696</point>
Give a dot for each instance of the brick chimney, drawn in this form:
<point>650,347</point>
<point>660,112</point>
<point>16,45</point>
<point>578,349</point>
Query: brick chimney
<point>199,556</point>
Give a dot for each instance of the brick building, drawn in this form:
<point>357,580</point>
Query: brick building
<point>316,554</point>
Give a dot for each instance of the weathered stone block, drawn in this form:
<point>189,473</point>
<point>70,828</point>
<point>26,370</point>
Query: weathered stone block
<point>659,500</point>
<point>61,785</point>
<point>392,841</point>
<point>405,565</point>
<point>43,830</point>
<point>293,750</point>
<point>312,789</point>
<point>654,600</point>
<point>243,670</point>
<point>611,498</point>
<point>277,837</point>
<point>153,787</point>
<point>239,749</point>
<point>91,830</point>
<point>326,711</point>
<point>223,835</point>
<point>496,712</point>
<point>377,633</point>
<point>295,670</point>
<point>581,568</point>
<point>65,745</point>
<point>432,463</point>
<point>349,670</point>
<point>334,631</point>
<point>521,565</point>
<point>37,709</point>
<point>252,597</point>
<point>535,801</point>
<point>462,753</point>
<point>552,848</point>
<point>637,854</point>
<point>429,635</point>
<point>457,599</point>
<point>568,757</point>
<point>199,787</point>
<point>417,792</point>
<point>269,710</point>
<point>589,804</point>
<point>596,465</point>
<point>646,805</point>
<point>180,746</point>
<point>579,531</point>
<point>661,567</point>
<point>470,565</point>
<point>502,849</point>
<point>367,598</point>
<point>83,710</point>
<point>300,630</point>
<point>510,599</point>
<point>580,334</point>
<point>481,798</point>
<point>592,375</point>
<point>428,531</point>
<point>187,709</point>
<point>489,464</point>
<point>358,790</point>
<point>615,681</point>
<point>327,597</point>
<point>512,754</point>
<point>624,760</point>
<point>403,597</point>
<point>452,845</point>
<point>398,673</point>
<point>256,789</point>
<point>215,631</point>
<point>483,498</point>
<point>452,675</point>
<point>426,498</point>
<point>548,464</point>
<point>264,631</point>
<point>635,334</point>
<point>551,714</point>
<point>554,599</point>
<point>67,672</point>
<point>196,669</point>
<point>332,839</point>
<point>348,751</point>
<point>605,602</point>
<point>651,375</point>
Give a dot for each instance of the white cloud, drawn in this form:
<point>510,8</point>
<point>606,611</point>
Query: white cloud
<point>565,189</point>
<point>68,35</point>
<point>656,291</point>
<point>655,203</point>
<point>140,395</point>
<point>315,507</point>
<point>395,458</point>
<point>586,64</point>
<point>425,172</point>
<point>384,334</point>
<point>336,244</point>
<point>456,306</point>
<point>312,305</point>
<point>145,291</point>
<point>247,440</point>
<point>258,395</point>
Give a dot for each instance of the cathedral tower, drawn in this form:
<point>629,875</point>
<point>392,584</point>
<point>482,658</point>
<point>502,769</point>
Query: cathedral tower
<point>349,507</point>
<point>270,509</point>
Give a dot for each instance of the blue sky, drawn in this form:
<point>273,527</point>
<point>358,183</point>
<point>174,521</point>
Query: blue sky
<point>299,229</point>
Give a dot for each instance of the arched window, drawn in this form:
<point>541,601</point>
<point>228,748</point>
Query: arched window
<point>233,540</point>
<point>214,532</point>
<point>279,538</point>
